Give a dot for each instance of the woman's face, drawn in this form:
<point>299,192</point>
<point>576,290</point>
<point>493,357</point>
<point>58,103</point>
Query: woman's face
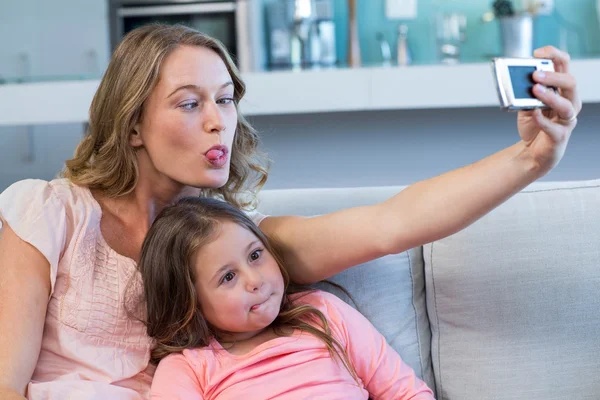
<point>188,123</point>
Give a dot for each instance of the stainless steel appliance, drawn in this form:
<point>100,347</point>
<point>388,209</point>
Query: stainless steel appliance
<point>236,23</point>
<point>516,33</point>
<point>301,34</point>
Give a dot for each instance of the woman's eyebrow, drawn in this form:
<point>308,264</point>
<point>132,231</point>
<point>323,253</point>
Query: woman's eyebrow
<point>197,88</point>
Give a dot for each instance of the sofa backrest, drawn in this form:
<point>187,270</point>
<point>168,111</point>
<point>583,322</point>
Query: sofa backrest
<point>514,299</point>
<point>389,291</point>
<point>508,308</point>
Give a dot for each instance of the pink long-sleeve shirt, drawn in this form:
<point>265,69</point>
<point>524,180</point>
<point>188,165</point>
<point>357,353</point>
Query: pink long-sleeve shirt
<point>294,367</point>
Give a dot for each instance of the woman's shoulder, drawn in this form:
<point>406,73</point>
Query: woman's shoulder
<point>60,187</point>
<point>46,213</point>
<point>57,193</point>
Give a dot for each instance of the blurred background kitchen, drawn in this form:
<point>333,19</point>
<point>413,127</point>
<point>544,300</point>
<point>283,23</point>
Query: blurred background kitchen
<point>343,92</point>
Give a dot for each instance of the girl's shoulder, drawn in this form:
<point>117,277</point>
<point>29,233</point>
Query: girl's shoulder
<point>322,300</point>
<point>176,374</point>
<point>193,362</point>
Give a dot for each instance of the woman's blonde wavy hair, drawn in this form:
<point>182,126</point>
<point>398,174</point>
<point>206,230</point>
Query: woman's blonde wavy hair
<point>105,160</point>
<point>173,312</point>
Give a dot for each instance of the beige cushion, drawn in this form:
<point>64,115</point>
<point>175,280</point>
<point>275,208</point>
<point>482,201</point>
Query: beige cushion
<point>514,300</point>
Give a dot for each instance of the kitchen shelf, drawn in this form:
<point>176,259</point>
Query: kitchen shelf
<point>315,91</point>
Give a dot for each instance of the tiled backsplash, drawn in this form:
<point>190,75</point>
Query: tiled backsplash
<point>483,39</point>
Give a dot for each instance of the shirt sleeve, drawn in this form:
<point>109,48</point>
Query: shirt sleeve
<point>377,364</point>
<point>35,213</point>
<point>175,379</point>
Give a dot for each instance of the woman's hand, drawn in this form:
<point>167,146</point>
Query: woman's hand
<point>547,132</point>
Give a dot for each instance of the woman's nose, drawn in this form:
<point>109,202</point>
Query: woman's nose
<point>213,120</point>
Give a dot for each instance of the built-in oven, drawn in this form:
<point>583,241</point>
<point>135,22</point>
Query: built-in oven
<point>236,23</point>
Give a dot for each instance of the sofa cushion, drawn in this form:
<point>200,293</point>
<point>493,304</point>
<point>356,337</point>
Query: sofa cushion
<point>388,291</point>
<point>514,299</point>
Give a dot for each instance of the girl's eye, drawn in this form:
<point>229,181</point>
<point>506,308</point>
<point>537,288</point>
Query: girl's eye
<point>189,105</point>
<point>255,255</point>
<point>228,277</point>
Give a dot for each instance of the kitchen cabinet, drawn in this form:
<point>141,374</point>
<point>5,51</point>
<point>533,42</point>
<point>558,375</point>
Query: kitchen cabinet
<point>50,40</point>
<point>43,40</point>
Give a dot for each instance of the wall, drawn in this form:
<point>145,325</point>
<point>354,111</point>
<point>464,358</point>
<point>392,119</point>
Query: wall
<point>51,145</point>
<point>398,148</point>
<point>354,149</point>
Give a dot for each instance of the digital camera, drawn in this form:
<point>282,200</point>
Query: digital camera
<point>514,81</point>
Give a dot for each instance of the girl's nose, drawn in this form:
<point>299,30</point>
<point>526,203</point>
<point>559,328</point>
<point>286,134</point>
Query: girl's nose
<point>254,282</point>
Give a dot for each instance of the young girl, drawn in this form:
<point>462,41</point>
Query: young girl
<point>229,325</point>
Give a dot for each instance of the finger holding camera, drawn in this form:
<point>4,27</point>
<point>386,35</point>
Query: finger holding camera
<point>560,79</point>
<point>566,96</point>
<point>546,131</point>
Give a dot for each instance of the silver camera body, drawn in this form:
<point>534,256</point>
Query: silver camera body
<point>514,81</point>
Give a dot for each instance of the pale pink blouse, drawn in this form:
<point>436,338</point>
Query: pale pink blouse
<point>91,348</point>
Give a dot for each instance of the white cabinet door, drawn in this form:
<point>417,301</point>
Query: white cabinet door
<point>56,39</point>
<point>17,45</point>
<point>40,40</point>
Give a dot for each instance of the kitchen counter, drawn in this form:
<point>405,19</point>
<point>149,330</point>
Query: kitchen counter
<point>315,91</point>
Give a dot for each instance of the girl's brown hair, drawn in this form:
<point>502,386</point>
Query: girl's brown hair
<point>105,160</point>
<point>174,318</point>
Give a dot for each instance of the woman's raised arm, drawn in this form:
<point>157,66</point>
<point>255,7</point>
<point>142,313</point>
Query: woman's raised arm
<point>319,247</point>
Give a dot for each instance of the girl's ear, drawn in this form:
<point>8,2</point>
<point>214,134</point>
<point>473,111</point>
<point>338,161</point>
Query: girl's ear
<point>135,139</point>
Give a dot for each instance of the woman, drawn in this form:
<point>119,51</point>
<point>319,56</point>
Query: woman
<point>164,124</point>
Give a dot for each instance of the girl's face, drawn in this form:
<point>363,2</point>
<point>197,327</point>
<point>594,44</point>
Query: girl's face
<point>239,283</point>
<point>188,123</point>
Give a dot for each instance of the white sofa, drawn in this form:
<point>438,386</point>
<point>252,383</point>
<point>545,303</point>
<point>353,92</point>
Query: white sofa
<point>508,308</point>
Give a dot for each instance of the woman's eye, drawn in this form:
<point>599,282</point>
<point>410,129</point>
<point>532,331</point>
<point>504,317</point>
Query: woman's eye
<point>228,277</point>
<point>226,100</point>
<point>189,105</point>
<point>255,255</point>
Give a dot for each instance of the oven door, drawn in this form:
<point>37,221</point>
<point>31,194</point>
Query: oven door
<point>215,18</point>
